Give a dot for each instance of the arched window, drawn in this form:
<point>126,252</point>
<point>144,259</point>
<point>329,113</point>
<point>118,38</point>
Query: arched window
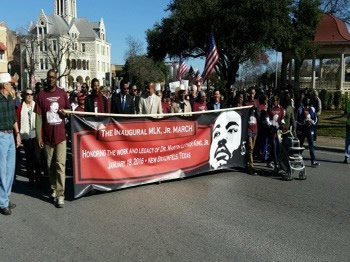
<point>74,64</point>
<point>79,64</point>
<point>68,64</point>
<point>84,65</point>
<point>87,65</point>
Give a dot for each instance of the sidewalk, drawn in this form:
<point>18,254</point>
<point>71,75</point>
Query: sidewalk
<point>332,144</point>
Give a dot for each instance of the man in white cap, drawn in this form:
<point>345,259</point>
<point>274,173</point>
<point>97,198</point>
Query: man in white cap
<point>181,105</point>
<point>8,127</point>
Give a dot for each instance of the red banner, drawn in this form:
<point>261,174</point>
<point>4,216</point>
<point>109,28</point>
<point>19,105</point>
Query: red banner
<point>111,154</point>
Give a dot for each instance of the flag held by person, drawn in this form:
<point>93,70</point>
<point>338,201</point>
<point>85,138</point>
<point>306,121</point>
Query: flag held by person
<point>181,70</point>
<point>212,58</point>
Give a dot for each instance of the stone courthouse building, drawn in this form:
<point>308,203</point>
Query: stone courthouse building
<point>75,47</point>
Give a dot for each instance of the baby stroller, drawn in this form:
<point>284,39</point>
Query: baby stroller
<point>290,160</point>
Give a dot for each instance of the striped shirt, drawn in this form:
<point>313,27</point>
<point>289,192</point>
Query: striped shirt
<point>8,113</point>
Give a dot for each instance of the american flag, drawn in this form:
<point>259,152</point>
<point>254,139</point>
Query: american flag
<point>198,76</point>
<point>191,72</point>
<point>212,58</point>
<point>182,69</point>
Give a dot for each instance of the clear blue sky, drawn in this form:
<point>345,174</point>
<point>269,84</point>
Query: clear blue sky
<point>122,18</point>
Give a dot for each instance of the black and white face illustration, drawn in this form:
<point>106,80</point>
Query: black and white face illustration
<point>54,107</point>
<point>52,116</point>
<point>226,138</point>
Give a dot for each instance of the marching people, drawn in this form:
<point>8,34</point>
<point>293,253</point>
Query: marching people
<point>9,139</point>
<point>275,119</point>
<point>262,138</point>
<point>122,103</point>
<point>81,103</point>
<point>51,133</point>
<point>252,130</point>
<point>347,139</point>
<point>26,124</point>
<point>216,103</point>
<point>306,125</point>
<point>135,98</point>
<point>150,103</point>
<point>201,103</point>
<point>166,105</point>
<point>96,102</point>
<point>181,105</point>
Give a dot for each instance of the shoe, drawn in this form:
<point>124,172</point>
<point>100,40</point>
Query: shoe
<point>253,172</point>
<point>12,205</point>
<point>315,163</point>
<point>5,211</point>
<point>270,165</point>
<point>60,203</point>
<point>346,160</point>
<point>54,195</point>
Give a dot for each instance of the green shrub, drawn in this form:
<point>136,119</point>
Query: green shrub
<point>324,98</point>
<point>330,101</point>
<point>337,99</point>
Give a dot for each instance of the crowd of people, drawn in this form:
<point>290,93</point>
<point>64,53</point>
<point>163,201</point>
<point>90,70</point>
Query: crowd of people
<point>37,119</point>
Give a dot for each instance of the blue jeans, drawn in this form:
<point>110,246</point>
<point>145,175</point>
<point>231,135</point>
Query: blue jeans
<point>310,140</point>
<point>347,143</point>
<point>7,167</point>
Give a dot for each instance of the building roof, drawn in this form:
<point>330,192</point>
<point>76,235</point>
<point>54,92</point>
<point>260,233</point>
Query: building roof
<point>59,26</point>
<point>85,28</point>
<point>331,29</point>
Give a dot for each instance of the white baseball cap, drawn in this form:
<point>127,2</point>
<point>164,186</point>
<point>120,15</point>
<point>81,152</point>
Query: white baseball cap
<point>5,78</point>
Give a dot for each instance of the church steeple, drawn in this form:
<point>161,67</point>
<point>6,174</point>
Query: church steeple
<point>66,9</point>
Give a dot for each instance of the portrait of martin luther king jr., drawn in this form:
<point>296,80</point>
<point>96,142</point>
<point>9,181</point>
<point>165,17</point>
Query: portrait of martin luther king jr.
<point>226,139</point>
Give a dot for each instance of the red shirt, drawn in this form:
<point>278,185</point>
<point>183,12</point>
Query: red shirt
<point>199,106</point>
<point>252,123</point>
<point>79,109</point>
<point>48,105</point>
<point>276,115</point>
<point>166,108</point>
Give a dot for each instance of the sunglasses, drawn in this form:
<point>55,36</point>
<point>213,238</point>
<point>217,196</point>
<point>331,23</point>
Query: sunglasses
<point>29,94</point>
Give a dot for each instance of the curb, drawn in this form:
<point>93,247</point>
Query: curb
<point>328,149</point>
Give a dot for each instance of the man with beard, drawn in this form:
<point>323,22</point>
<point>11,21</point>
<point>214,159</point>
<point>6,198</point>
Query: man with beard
<point>51,135</point>
<point>226,139</point>
<point>96,101</point>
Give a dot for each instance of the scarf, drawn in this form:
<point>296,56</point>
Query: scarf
<point>27,122</point>
<point>100,104</point>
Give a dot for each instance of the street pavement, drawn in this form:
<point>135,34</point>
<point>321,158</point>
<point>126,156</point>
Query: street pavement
<point>223,216</point>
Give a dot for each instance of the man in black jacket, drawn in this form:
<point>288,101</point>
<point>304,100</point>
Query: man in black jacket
<point>216,103</point>
<point>123,103</point>
<point>96,102</point>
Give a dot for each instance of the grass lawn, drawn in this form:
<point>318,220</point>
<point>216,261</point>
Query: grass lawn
<point>332,123</point>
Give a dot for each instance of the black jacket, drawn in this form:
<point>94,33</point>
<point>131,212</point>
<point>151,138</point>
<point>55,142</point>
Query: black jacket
<point>89,104</point>
<point>116,107</point>
<point>210,105</point>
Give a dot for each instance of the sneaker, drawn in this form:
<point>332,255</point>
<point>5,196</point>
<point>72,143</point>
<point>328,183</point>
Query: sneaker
<point>315,163</point>
<point>270,165</point>
<point>54,195</point>
<point>252,172</point>
<point>60,203</point>
<point>345,160</point>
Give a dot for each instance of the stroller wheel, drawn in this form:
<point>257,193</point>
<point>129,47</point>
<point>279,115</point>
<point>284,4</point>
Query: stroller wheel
<point>302,175</point>
<point>288,176</point>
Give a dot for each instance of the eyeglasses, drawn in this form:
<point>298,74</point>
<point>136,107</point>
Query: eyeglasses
<point>29,94</point>
<point>134,90</point>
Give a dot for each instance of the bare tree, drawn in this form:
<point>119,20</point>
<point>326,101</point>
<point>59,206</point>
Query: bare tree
<point>339,8</point>
<point>58,50</point>
<point>135,47</point>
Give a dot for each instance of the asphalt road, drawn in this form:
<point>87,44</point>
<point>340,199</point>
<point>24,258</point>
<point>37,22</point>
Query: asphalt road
<point>228,216</point>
